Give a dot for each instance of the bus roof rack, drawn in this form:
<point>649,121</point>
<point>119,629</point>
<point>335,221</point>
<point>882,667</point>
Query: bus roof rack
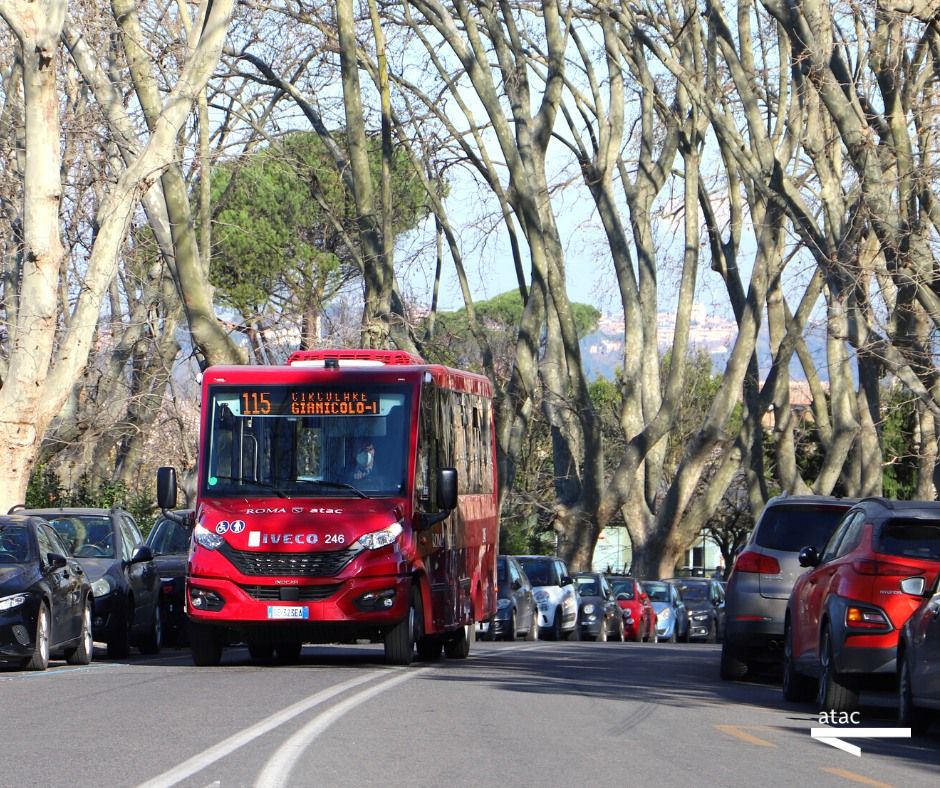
<point>352,357</point>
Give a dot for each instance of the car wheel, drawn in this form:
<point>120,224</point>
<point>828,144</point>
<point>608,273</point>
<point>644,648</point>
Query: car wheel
<point>908,713</point>
<point>150,643</point>
<point>796,687</point>
<point>82,653</point>
<point>40,658</point>
<point>733,668</point>
<point>400,640</point>
<point>533,633</point>
<point>205,644</point>
<point>837,692</point>
<point>510,633</point>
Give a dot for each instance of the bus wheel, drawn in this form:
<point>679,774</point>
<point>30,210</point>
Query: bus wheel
<point>206,645</point>
<point>400,639</point>
<point>457,646</point>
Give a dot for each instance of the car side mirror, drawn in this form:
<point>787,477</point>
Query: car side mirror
<point>56,560</point>
<point>166,488</point>
<point>516,585</point>
<point>809,556</point>
<point>566,580</point>
<point>141,555</point>
<point>644,597</point>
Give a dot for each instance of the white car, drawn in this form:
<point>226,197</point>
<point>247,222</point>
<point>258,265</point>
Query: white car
<point>556,595</point>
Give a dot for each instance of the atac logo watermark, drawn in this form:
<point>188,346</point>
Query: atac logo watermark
<point>834,736</point>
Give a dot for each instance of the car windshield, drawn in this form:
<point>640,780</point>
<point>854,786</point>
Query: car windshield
<point>169,537</point>
<point>587,586</point>
<point>14,545</point>
<point>911,539</point>
<point>304,441</point>
<point>622,588</point>
<point>791,528</point>
<point>539,572</point>
<point>695,593</point>
<point>85,536</point>
<point>658,592</point>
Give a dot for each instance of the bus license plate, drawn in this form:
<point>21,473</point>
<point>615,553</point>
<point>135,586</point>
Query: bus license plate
<point>281,611</point>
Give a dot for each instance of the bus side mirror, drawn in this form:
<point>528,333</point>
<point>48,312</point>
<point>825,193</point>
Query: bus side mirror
<point>447,488</point>
<point>166,488</point>
<point>446,498</point>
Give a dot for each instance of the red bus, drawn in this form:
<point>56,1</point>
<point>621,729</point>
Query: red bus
<point>347,495</point>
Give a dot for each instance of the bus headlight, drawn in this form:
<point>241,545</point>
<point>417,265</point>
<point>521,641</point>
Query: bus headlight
<point>383,538</point>
<point>205,538</point>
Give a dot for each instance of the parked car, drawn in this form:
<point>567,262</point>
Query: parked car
<point>110,549</point>
<point>517,612</point>
<point>705,600</point>
<point>169,541</point>
<point>844,614</point>
<point>555,593</point>
<point>918,665</point>
<point>599,617</point>
<point>639,617</point>
<point>763,575</point>
<point>672,618</point>
<point>45,597</point>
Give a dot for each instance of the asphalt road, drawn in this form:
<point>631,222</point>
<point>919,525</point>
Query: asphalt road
<point>514,714</point>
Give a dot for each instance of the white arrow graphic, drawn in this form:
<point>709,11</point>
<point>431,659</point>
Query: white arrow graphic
<point>831,736</point>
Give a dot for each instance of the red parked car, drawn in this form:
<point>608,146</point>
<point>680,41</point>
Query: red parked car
<point>845,613</point>
<point>639,618</point>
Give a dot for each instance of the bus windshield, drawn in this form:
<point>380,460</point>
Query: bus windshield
<point>306,441</point>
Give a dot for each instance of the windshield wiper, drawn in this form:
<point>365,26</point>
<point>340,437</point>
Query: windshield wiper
<point>264,485</point>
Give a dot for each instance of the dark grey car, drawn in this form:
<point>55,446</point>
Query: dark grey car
<point>763,575</point>
<point>517,612</point>
<point>705,601</point>
<point>599,617</point>
<point>110,549</point>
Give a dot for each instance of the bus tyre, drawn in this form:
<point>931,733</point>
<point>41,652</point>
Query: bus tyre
<point>206,645</point>
<point>400,640</point>
<point>457,645</point>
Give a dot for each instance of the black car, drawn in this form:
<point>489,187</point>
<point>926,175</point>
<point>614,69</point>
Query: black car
<point>599,617</point>
<point>45,597</point>
<point>110,548</point>
<point>169,541</point>
<point>517,612</point>
<point>705,602</point>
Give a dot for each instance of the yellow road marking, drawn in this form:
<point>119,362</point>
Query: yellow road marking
<point>739,732</point>
<point>857,778</point>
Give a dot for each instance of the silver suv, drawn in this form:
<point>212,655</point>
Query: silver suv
<point>763,575</point>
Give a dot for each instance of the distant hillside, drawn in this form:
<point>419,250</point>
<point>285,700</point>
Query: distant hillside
<point>602,350</point>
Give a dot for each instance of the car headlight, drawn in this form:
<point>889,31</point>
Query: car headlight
<point>503,603</point>
<point>9,602</point>
<point>102,586</point>
<point>383,538</point>
<point>541,596</point>
<point>588,609</point>
<point>206,538</point>
<point>700,616</point>
<point>665,615</point>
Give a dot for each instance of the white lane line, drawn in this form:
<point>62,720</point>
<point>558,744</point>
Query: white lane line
<point>276,772</point>
<point>226,747</point>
